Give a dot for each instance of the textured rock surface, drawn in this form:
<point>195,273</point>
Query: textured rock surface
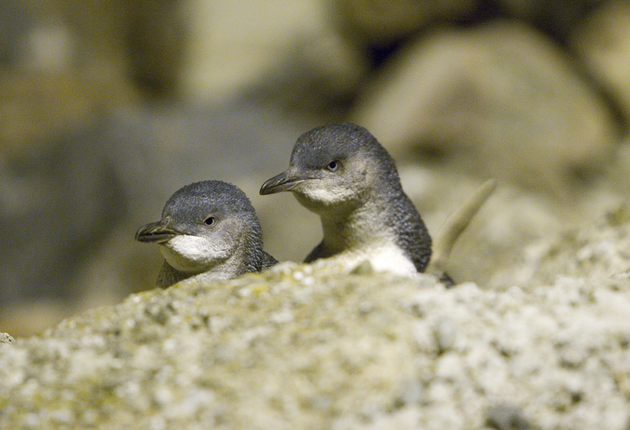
<point>316,347</point>
<point>6,339</point>
<point>600,253</point>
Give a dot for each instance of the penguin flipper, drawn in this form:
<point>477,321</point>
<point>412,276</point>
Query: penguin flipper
<point>267,261</point>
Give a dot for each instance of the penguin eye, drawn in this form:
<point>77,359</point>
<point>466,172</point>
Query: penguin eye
<point>333,166</point>
<point>210,220</point>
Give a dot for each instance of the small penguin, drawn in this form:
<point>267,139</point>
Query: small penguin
<point>342,173</point>
<point>208,229</point>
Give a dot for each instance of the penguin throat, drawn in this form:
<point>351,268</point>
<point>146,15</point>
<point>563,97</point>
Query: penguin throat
<point>355,228</point>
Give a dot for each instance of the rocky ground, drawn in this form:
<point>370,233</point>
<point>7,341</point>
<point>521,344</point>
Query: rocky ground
<point>321,346</point>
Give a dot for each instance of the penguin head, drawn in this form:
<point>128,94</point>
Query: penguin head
<point>335,165</point>
<point>203,224</point>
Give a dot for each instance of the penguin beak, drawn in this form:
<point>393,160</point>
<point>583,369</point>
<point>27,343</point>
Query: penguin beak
<point>156,232</point>
<point>282,182</point>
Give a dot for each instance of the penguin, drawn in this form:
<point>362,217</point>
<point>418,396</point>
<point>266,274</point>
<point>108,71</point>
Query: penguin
<point>343,174</point>
<point>208,230</point>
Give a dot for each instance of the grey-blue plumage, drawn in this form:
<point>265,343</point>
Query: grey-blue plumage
<point>209,229</point>
<point>342,173</point>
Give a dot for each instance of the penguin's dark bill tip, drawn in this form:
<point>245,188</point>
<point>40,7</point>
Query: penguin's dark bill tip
<point>279,183</point>
<point>155,232</point>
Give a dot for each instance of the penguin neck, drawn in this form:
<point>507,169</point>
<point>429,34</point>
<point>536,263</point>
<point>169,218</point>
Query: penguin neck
<point>248,257</point>
<point>356,226</point>
<point>228,269</point>
<point>242,260</point>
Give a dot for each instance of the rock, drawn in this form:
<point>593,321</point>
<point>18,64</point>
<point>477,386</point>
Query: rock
<point>596,253</point>
<point>156,35</point>
<point>618,176</point>
<point>385,22</point>
<point>318,346</point>
<point>505,417</point>
<point>317,76</point>
<point>6,339</point>
<point>498,99</point>
<point>556,18</point>
<point>603,43</point>
<point>234,46</point>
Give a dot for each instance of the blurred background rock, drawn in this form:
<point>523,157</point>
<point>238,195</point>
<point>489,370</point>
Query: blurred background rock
<point>108,107</point>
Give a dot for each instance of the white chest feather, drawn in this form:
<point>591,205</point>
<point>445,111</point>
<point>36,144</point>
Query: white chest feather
<point>193,253</point>
<point>384,258</point>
